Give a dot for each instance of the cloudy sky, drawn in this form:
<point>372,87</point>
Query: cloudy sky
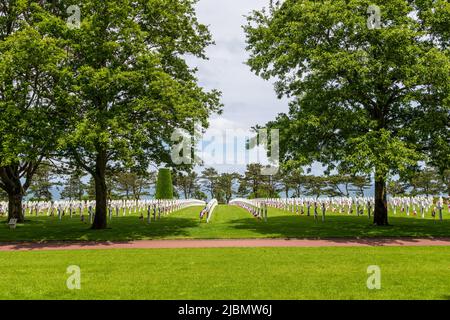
<point>248,100</point>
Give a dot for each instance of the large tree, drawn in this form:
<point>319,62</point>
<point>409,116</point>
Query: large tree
<point>359,93</point>
<point>133,86</point>
<point>32,74</point>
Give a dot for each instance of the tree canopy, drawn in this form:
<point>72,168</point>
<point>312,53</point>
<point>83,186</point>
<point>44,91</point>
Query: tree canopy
<point>132,87</point>
<point>32,78</point>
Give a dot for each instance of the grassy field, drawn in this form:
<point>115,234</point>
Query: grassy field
<point>251,273</point>
<point>227,273</point>
<point>227,222</point>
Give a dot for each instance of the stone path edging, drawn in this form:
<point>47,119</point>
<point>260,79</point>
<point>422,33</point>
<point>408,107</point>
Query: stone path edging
<point>235,243</point>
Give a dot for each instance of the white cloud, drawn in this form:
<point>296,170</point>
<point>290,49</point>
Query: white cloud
<point>248,100</point>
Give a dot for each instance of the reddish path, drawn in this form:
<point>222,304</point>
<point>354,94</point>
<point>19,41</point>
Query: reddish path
<point>244,243</point>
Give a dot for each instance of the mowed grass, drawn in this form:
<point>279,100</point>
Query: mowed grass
<point>232,273</point>
<point>228,222</point>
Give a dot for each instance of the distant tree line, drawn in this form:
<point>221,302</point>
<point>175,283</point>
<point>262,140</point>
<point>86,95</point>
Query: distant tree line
<point>128,185</point>
<point>296,183</point>
<point>77,185</point>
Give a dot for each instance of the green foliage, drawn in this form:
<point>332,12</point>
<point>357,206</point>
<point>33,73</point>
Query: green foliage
<point>42,183</point>
<point>31,77</point>
<point>289,180</point>
<point>209,181</point>
<point>360,184</point>
<point>187,183</point>
<point>226,183</point>
<point>339,185</point>
<point>132,86</point>
<point>425,181</point>
<point>256,185</point>
<point>361,98</point>
<point>164,185</point>
<point>32,82</point>
<point>367,100</point>
<point>200,195</point>
<point>295,183</point>
<point>133,185</point>
<point>74,187</point>
<point>397,188</point>
<point>219,186</point>
<point>315,185</point>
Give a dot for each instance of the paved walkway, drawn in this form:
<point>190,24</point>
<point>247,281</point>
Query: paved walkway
<point>244,243</point>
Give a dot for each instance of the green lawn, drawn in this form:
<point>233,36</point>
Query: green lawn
<point>227,273</point>
<point>246,273</point>
<point>227,222</point>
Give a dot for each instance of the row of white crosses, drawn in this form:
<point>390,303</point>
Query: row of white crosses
<point>308,206</point>
<point>316,207</point>
<point>155,208</point>
<point>360,205</point>
<point>158,208</point>
<point>56,208</point>
<point>52,208</point>
<point>418,206</point>
<point>258,208</point>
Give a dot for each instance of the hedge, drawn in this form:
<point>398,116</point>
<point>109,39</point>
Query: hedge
<point>164,186</point>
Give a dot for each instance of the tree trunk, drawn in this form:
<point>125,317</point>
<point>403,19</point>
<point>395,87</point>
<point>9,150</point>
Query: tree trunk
<point>12,185</point>
<point>15,211</point>
<point>101,192</point>
<point>381,208</point>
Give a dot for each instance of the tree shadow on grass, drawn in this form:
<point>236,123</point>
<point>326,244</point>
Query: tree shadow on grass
<point>119,229</point>
<point>294,226</point>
